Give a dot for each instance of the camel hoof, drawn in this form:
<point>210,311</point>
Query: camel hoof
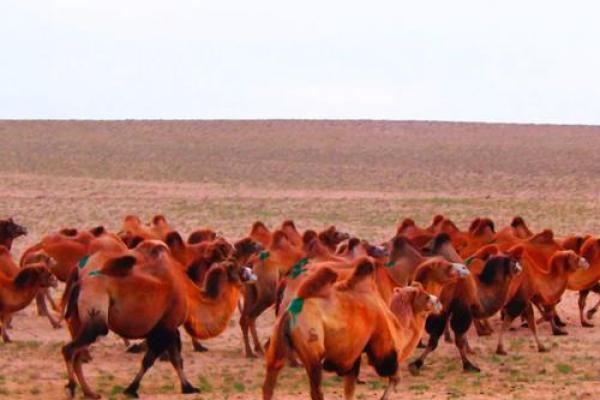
<point>559,322</point>
<point>415,367</point>
<point>470,367</point>
<point>542,349</point>
<point>590,314</point>
<point>421,345</point>
<point>189,389</point>
<point>587,324</point>
<point>559,332</point>
<point>137,348</point>
<point>199,348</point>
<point>91,395</point>
<point>130,392</point>
<point>501,352</point>
<point>360,382</point>
<point>250,355</point>
<point>56,325</point>
<point>71,389</point>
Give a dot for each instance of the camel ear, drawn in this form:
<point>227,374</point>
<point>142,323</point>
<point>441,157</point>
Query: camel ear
<point>544,237</point>
<point>120,266</point>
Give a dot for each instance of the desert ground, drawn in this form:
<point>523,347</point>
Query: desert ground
<point>362,176</point>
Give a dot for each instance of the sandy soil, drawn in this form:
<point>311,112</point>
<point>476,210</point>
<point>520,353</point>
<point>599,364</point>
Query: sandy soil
<point>363,176</point>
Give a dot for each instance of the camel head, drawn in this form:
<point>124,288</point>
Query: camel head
<point>35,275</point>
<point>10,229</point>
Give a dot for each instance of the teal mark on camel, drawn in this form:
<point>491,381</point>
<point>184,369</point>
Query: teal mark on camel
<point>83,261</point>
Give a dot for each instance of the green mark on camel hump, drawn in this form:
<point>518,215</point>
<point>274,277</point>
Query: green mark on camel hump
<point>83,261</point>
<point>264,255</point>
<point>297,268</point>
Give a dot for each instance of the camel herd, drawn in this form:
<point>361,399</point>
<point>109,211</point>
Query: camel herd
<point>335,296</point>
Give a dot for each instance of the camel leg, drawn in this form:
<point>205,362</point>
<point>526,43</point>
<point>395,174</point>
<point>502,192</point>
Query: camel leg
<point>447,334</point>
<point>315,375</point>
<point>350,380</point>
<point>583,294</point>
<point>514,308</point>
<point>244,324</point>
<point>533,328</point>
<point>71,350</point>
<point>4,329</point>
<point>274,367</point>
<point>435,326</point>
<point>392,383</point>
<point>257,346</point>
<point>506,322</point>
<point>483,327</point>
<point>40,300</point>
<point>198,347</point>
<point>550,314</point>
<point>177,361</point>
<point>85,387</point>
<point>461,322</point>
<point>53,304</point>
<point>158,340</point>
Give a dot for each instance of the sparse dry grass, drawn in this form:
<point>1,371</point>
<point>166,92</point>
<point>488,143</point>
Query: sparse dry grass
<point>362,176</point>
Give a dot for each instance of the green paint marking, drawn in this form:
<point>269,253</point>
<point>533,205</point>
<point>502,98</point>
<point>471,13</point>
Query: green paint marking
<point>83,261</point>
<point>469,260</point>
<point>390,264</point>
<point>95,272</point>
<point>295,308</point>
<point>298,268</point>
<point>264,255</point>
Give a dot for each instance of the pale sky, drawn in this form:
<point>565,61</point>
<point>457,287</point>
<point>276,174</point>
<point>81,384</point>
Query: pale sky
<point>510,61</point>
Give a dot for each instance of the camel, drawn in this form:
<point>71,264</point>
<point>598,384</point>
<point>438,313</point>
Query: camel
<point>476,296</point>
<point>163,299</point>
<point>133,230</point>
<point>18,291</point>
<point>329,325</point>
<point>544,284</point>
<point>9,231</point>
<point>331,322</point>
<point>269,266</point>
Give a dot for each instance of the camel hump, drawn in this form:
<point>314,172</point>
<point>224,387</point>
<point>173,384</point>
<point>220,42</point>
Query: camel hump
<point>448,226</point>
<point>174,240</point>
<point>308,236</point>
<point>440,240</point>
<point>316,283</point>
<point>518,222</point>
<point>288,223</point>
<point>259,226</point>
<point>159,219</point>
<point>70,232</point>
<point>437,219</point>
<point>119,266</point>
<point>544,237</point>
<point>363,269</point>
<point>405,224</point>
<point>98,231</point>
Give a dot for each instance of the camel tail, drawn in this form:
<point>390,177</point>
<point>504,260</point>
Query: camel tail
<point>280,344</point>
<point>70,294</point>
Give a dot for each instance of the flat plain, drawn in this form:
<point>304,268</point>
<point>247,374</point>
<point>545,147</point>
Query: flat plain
<point>362,176</point>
